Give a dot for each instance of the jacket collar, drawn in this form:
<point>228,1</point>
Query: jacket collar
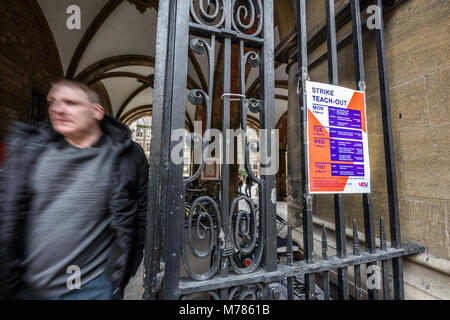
<point>118,131</point>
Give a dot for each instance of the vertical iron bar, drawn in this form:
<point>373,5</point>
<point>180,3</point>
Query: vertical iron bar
<point>267,122</point>
<point>360,76</point>
<point>159,151</point>
<point>369,232</point>
<point>339,210</point>
<point>225,170</point>
<point>333,77</point>
<point>360,79</point>
<point>290,261</point>
<point>307,199</point>
<point>326,275</point>
<point>357,268</point>
<point>384,263</point>
<point>175,195</point>
<point>394,222</point>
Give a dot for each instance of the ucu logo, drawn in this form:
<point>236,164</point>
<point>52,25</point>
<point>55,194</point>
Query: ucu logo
<point>363,184</point>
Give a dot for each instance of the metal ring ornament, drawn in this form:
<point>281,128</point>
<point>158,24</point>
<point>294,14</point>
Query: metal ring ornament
<point>253,145</point>
<point>249,10</point>
<point>197,45</point>
<point>201,231</point>
<point>252,58</point>
<point>250,230</point>
<point>198,96</point>
<point>252,292</point>
<point>206,18</point>
<point>195,140</point>
<point>254,105</point>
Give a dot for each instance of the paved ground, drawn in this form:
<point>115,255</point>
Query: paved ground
<point>134,290</point>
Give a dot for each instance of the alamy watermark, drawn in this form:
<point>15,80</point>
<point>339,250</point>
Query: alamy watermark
<point>73,22</point>
<point>373,277</point>
<point>74,280</point>
<point>210,146</point>
<point>374,18</point>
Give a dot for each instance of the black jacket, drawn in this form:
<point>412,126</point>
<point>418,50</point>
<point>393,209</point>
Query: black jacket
<point>127,202</point>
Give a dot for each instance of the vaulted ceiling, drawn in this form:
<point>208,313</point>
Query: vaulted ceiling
<point>114,51</point>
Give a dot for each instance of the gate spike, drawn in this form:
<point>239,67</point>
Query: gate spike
<point>326,276</point>
<point>355,239</point>
<point>290,260</point>
<point>357,268</point>
<point>383,244</point>
<point>384,263</point>
<point>290,254</point>
<point>324,242</point>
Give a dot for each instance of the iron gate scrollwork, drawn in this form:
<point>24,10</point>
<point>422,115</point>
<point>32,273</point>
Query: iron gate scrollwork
<point>234,226</point>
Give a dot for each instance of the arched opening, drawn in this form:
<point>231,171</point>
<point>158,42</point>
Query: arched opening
<point>141,133</point>
<point>140,124</point>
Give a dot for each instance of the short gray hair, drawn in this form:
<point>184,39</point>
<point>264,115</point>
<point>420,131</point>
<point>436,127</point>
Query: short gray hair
<point>93,96</point>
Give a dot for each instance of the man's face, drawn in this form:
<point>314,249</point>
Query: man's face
<point>71,112</point>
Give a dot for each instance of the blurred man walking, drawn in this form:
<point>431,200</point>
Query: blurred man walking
<point>72,202</point>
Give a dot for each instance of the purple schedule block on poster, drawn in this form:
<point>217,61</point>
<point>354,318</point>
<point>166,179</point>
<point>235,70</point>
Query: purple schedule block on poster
<point>345,134</point>
<point>347,118</point>
<point>352,170</point>
<point>345,150</point>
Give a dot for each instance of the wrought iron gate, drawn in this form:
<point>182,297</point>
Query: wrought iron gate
<point>248,25</point>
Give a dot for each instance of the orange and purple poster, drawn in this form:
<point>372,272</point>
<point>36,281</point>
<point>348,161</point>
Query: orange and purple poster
<point>337,140</point>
